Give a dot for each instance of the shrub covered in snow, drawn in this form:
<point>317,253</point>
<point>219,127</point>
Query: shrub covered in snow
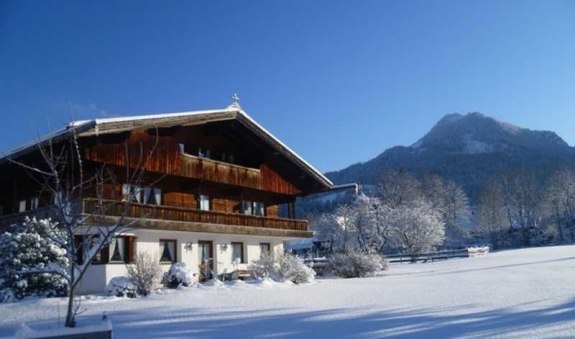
<point>292,268</point>
<point>145,273</point>
<point>29,260</point>
<point>264,267</point>
<point>352,265</point>
<point>178,274</point>
<point>121,287</point>
<point>283,267</point>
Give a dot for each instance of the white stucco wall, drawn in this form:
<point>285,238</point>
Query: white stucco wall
<point>98,276</point>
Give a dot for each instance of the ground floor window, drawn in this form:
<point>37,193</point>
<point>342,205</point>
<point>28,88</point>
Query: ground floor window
<point>265,247</point>
<point>238,252</point>
<point>168,251</point>
<point>120,249</point>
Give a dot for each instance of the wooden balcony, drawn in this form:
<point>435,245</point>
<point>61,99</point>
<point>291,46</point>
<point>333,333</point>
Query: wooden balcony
<point>174,218</point>
<point>156,216</point>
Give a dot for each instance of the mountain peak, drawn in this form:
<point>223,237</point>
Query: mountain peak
<point>474,133</point>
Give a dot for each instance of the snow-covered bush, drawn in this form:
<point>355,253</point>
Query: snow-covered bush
<point>121,287</point>
<point>145,273</point>
<point>292,268</point>
<point>353,265</point>
<point>30,260</point>
<point>264,267</point>
<point>178,274</point>
<point>283,267</point>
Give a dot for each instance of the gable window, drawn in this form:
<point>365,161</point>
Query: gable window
<point>253,208</point>
<point>22,206</point>
<point>168,251</point>
<point>265,248</point>
<point>204,202</point>
<point>238,252</point>
<point>152,196</point>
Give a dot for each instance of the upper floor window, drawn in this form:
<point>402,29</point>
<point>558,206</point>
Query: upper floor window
<point>57,198</point>
<point>132,193</point>
<point>22,206</point>
<point>253,208</point>
<point>152,196</point>
<point>34,202</point>
<point>226,157</point>
<point>204,153</point>
<point>203,202</point>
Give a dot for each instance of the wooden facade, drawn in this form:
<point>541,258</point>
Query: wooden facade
<point>184,160</point>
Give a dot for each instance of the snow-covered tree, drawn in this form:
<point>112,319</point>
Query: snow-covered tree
<point>27,249</point>
<point>417,228</point>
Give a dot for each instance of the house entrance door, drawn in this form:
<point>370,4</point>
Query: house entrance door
<point>206,260</point>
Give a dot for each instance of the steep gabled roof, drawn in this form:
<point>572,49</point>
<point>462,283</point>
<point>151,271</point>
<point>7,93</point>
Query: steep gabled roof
<point>122,124</point>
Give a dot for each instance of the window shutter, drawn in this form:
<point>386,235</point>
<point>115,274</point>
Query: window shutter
<point>105,254</point>
<point>130,249</point>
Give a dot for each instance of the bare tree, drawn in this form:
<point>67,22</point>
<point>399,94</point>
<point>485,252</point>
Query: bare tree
<point>522,202</point>
<point>491,217</point>
<point>560,202</point>
<point>62,174</point>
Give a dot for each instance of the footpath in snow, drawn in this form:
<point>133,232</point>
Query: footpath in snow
<point>512,294</point>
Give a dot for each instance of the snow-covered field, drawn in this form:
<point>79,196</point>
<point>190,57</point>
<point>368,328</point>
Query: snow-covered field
<point>517,294</point>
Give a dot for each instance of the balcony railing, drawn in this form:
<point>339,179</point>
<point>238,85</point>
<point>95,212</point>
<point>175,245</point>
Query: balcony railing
<point>133,210</point>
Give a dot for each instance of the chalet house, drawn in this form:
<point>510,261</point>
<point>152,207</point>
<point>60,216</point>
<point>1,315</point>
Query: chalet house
<point>217,189</point>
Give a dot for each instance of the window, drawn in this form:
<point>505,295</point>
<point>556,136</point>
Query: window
<point>265,247</point>
<point>253,208</point>
<point>168,251</point>
<point>204,153</point>
<point>131,193</point>
<point>34,203</point>
<point>226,157</point>
<point>152,196</point>
<point>22,206</point>
<point>57,198</point>
<point>119,250</point>
<point>204,202</point>
<point>238,252</point>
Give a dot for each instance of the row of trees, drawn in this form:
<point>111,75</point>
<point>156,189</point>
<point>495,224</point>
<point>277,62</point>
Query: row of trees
<point>519,208</point>
<point>401,212</point>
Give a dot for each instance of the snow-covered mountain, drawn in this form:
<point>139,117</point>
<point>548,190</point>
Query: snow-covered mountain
<point>467,148</point>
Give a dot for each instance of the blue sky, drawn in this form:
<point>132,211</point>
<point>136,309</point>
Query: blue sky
<point>338,81</point>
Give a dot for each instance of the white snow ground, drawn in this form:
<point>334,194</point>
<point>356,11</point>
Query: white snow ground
<point>511,294</point>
